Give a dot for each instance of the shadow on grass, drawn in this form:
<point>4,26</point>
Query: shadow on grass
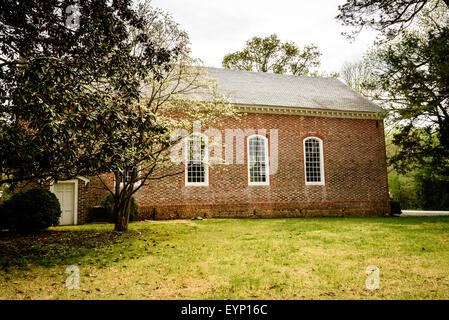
<point>51,248</point>
<point>102,247</point>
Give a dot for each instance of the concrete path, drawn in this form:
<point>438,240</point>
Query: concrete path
<point>410,213</point>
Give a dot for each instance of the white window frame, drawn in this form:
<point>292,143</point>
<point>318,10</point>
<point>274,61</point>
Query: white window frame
<point>314,183</point>
<point>205,161</point>
<point>267,161</point>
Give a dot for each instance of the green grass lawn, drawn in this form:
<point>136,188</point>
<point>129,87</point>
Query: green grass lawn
<point>319,258</point>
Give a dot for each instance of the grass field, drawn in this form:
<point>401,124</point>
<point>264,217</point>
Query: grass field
<point>320,258</point>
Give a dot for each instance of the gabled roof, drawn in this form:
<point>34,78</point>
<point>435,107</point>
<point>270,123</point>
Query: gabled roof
<point>269,89</point>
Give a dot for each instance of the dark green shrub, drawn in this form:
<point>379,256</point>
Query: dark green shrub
<point>2,217</point>
<point>32,210</point>
<point>5,192</point>
<point>108,203</point>
<point>432,188</point>
<point>395,207</point>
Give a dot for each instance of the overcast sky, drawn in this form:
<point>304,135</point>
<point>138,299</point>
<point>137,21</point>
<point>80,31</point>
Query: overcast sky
<point>219,27</point>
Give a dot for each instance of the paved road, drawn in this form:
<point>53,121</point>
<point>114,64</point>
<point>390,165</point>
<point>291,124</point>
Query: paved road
<point>409,213</point>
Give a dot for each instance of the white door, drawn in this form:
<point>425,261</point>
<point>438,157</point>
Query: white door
<point>65,192</point>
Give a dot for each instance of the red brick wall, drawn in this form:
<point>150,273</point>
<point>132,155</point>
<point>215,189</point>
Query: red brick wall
<point>354,165</point>
<point>90,195</point>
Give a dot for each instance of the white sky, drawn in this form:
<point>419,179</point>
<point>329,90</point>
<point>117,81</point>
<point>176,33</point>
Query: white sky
<point>217,27</point>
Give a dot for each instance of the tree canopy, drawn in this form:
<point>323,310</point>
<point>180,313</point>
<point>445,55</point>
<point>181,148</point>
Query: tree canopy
<point>390,17</point>
<point>60,79</point>
<point>98,96</point>
<point>424,187</point>
<point>410,77</point>
<point>355,75</point>
<point>135,146</point>
<point>270,54</point>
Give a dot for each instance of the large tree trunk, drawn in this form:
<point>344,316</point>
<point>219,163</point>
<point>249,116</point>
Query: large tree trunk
<point>121,213</point>
<point>121,205</point>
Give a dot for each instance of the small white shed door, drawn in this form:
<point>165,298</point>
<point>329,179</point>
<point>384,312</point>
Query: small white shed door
<point>65,192</point>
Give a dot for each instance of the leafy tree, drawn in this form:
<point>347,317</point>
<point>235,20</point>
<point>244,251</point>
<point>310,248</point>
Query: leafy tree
<point>411,79</point>
<point>5,192</point>
<point>108,203</point>
<point>390,17</point>
<point>100,98</point>
<point>318,74</point>
<point>136,141</point>
<point>403,188</point>
<point>422,188</point>
<point>271,55</point>
<point>356,75</point>
<point>60,81</point>
<point>432,188</point>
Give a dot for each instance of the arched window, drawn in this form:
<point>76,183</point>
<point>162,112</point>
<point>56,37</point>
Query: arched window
<point>197,172</point>
<point>313,161</point>
<point>258,173</point>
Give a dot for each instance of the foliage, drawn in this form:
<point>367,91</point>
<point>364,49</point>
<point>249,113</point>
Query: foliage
<point>60,84</point>
<point>356,75</point>
<point>136,141</point>
<point>403,189</point>
<point>432,189</point>
<point>97,99</point>
<point>422,188</point>
<point>425,187</point>
<point>410,78</point>
<point>395,207</point>
<point>332,74</point>
<point>2,216</point>
<point>269,54</point>
<point>5,193</point>
<point>108,203</point>
<point>32,210</point>
<point>391,17</point>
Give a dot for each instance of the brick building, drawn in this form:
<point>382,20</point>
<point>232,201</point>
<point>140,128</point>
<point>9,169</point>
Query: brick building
<point>311,147</point>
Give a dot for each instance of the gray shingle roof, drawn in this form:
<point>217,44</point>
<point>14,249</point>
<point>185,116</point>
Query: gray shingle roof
<point>269,89</point>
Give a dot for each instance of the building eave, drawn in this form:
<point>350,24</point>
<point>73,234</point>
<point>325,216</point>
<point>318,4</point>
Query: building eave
<point>309,112</point>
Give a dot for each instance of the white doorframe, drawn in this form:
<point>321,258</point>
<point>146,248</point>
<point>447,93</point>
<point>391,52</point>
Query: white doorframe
<point>75,204</point>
